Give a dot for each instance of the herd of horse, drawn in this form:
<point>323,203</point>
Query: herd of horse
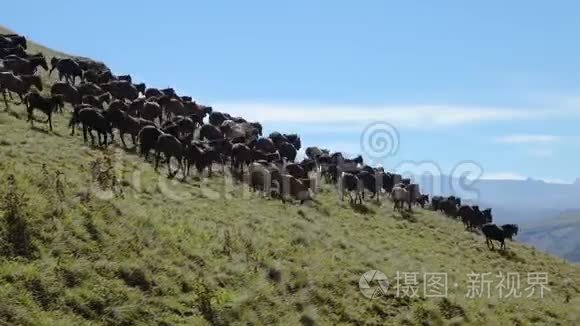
<point>194,135</point>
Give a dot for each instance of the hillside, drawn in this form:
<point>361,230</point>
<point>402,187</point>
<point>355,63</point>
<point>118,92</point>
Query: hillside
<point>558,236</point>
<point>149,250</point>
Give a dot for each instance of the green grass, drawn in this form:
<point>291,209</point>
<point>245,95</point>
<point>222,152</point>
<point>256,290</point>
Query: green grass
<point>164,252</point>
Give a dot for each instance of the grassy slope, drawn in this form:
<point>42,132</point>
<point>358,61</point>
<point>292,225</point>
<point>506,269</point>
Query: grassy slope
<point>150,259</point>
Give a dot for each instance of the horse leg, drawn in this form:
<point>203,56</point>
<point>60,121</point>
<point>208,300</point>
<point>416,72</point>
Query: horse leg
<point>121,134</point>
<point>5,100</point>
<point>92,137</point>
<point>84,133</point>
<point>157,157</point>
<point>169,166</point>
<point>106,139</point>
<point>182,168</point>
<point>21,100</point>
<point>50,121</point>
<point>145,152</point>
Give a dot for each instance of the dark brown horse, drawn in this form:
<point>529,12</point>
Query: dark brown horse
<point>47,105</point>
<point>67,68</point>
<point>23,66</point>
<point>17,84</point>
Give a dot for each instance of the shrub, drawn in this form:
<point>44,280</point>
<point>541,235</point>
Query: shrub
<point>18,233</point>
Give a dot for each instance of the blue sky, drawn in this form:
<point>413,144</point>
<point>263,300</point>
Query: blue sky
<point>496,82</point>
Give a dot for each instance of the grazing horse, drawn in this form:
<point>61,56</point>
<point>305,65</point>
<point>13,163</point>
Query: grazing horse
<point>147,137</point>
<point>67,68</point>
<point>350,183</point>
<point>17,51</point>
<point>12,40</point>
<point>494,232</point>
<point>170,146</point>
<point>47,105</point>
<point>91,119</point>
<point>68,91</point>
<point>17,84</point>
<point>26,66</point>
<point>96,101</point>
<point>400,195</point>
<point>125,123</point>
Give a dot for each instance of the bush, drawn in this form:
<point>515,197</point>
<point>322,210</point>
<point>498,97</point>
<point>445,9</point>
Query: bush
<point>18,233</point>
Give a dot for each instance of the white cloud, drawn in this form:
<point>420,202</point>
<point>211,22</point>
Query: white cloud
<point>528,139</point>
<point>503,176</point>
<point>518,177</point>
<point>555,181</point>
<point>418,116</point>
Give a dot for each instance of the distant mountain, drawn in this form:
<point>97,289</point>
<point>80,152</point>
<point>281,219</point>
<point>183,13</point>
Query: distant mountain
<point>559,236</point>
<point>512,201</point>
<point>533,194</point>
